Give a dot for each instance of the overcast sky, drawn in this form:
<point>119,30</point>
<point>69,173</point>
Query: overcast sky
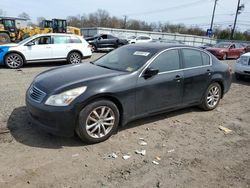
<point>189,12</point>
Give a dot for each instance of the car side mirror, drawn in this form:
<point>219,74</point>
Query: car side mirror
<point>150,72</point>
<point>30,44</point>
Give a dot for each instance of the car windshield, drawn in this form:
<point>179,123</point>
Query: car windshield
<point>126,59</point>
<point>132,37</point>
<point>222,45</point>
<point>25,40</point>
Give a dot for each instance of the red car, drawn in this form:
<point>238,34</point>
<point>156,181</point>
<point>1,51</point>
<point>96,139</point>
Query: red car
<point>227,50</point>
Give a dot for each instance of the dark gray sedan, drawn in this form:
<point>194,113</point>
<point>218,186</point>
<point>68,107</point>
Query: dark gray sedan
<point>131,82</point>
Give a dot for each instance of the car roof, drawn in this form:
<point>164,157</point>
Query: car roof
<point>159,46</point>
<point>55,34</point>
<point>246,54</point>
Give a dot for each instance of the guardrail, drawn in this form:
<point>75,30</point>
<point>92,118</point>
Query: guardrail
<point>192,40</point>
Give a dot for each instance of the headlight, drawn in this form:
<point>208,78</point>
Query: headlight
<point>65,98</point>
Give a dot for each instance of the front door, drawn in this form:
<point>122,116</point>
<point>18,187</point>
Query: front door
<point>164,90</point>
<point>41,49</point>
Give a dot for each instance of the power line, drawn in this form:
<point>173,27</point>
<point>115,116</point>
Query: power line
<point>167,9</point>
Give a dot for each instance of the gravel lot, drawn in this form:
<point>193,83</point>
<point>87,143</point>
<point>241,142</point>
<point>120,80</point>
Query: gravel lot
<point>187,144</point>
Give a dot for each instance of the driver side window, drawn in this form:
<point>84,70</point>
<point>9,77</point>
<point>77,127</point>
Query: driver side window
<point>167,61</point>
<point>42,40</point>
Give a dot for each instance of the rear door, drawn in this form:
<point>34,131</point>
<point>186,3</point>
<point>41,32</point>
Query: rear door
<point>197,74</point>
<point>61,46</point>
<point>163,90</point>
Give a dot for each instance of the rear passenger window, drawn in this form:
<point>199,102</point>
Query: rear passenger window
<point>167,61</point>
<point>61,39</point>
<point>205,58</point>
<point>192,58</point>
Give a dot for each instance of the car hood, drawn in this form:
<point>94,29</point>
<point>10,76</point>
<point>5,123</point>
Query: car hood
<point>60,79</point>
<point>8,45</point>
<point>90,38</point>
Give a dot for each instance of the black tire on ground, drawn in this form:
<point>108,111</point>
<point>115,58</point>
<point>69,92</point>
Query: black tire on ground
<point>206,105</point>
<point>4,38</point>
<point>93,48</point>
<point>87,113</point>
<point>238,76</point>
<point>13,61</point>
<point>74,58</point>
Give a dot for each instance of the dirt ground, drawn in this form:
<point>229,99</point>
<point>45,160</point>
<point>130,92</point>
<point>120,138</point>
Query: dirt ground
<point>187,144</point>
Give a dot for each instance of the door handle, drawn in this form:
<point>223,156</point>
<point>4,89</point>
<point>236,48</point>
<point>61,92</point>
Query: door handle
<point>177,78</point>
<point>209,72</point>
<point>48,47</point>
<point>68,46</point>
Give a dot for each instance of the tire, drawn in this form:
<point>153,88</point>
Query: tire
<point>90,127</point>
<point>4,38</point>
<point>238,76</point>
<point>212,97</point>
<point>74,58</point>
<point>93,48</point>
<point>13,61</point>
<point>224,57</point>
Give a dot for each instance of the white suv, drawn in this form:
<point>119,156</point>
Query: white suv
<point>139,39</point>
<point>45,47</point>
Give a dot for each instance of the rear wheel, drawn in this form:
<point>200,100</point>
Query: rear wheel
<point>212,97</point>
<point>14,61</point>
<point>93,48</point>
<point>4,38</point>
<point>97,121</point>
<point>74,58</point>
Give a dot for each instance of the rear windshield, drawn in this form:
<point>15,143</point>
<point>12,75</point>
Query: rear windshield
<point>127,59</point>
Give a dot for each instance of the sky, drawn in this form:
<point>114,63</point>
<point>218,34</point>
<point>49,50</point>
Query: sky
<point>188,12</point>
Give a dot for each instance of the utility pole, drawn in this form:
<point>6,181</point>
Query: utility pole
<point>235,20</point>
<point>125,21</point>
<point>212,21</point>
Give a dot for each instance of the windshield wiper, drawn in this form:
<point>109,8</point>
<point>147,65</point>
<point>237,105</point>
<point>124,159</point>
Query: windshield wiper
<point>104,66</point>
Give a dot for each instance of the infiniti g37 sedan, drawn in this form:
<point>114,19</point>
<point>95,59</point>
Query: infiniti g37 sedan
<point>131,82</point>
<point>45,47</point>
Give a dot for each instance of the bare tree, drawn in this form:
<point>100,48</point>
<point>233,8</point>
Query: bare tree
<point>24,15</point>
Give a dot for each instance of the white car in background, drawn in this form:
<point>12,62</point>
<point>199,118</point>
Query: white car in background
<point>45,47</point>
<point>242,66</point>
<point>139,39</point>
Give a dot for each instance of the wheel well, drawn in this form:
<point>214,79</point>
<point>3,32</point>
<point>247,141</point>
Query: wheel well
<point>221,85</point>
<point>110,98</point>
<point>15,52</point>
<point>77,52</point>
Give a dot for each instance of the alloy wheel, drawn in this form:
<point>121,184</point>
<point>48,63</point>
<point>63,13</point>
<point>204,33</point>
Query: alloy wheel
<point>100,122</point>
<point>213,96</point>
<point>75,58</point>
<point>13,61</point>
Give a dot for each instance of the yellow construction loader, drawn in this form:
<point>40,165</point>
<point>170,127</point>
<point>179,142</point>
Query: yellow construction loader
<point>10,33</point>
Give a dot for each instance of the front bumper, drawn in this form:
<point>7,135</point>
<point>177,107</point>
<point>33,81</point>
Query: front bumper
<point>60,121</point>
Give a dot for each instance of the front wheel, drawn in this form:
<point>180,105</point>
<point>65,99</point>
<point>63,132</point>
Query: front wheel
<point>14,61</point>
<point>74,58</point>
<point>212,97</point>
<point>238,76</point>
<point>97,121</point>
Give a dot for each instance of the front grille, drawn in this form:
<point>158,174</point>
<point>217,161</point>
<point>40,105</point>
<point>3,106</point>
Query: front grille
<point>36,94</point>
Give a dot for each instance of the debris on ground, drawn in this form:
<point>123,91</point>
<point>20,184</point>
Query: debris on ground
<point>125,157</point>
<point>158,158</point>
<point>75,155</point>
<point>142,152</point>
<point>142,143</point>
<point>225,130</point>
<point>170,151</point>
<point>155,162</point>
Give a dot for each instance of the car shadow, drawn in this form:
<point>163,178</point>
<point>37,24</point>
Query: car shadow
<point>158,117</point>
<point>23,131</point>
